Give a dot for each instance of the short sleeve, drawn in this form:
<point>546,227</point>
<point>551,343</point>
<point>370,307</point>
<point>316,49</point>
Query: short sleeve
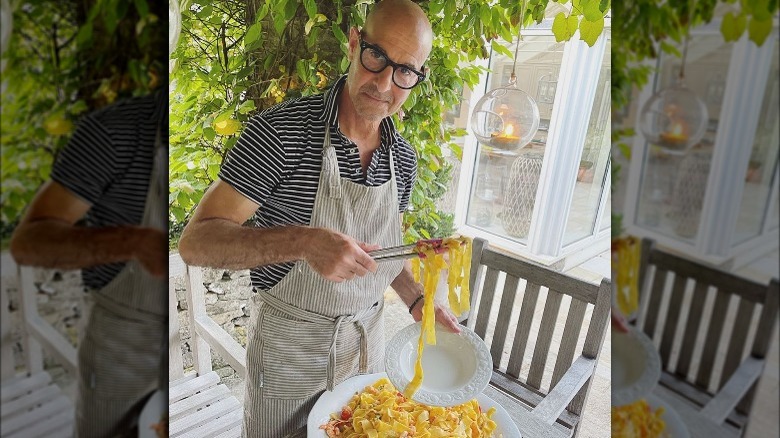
<point>255,165</point>
<point>87,164</point>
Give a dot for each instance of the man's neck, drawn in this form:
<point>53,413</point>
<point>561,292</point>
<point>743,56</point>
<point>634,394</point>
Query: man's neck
<point>363,132</point>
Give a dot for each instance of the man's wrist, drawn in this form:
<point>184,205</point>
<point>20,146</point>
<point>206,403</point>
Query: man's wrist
<point>414,303</point>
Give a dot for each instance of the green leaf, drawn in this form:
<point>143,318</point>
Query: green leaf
<point>262,12</point>
<point>84,37</point>
<point>560,28</point>
<point>142,7</point>
<point>253,34</point>
<point>732,27</point>
<point>761,10</point>
<point>758,30</point>
<point>484,13</point>
<point>498,47</point>
<point>591,10</point>
<point>289,9</point>
<point>590,31</point>
<point>338,33</point>
<point>670,48</point>
<point>311,8</point>
<point>247,107</point>
<point>572,23</point>
<point>209,134</point>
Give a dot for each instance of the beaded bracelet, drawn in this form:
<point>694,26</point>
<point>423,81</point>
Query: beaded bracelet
<point>414,303</point>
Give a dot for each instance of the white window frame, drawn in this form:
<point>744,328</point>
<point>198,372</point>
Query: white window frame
<point>739,116</point>
<point>576,88</point>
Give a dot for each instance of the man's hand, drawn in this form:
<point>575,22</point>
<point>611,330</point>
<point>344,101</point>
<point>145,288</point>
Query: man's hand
<point>336,256</point>
<point>443,316</point>
<point>151,251</point>
<point>618,322</point>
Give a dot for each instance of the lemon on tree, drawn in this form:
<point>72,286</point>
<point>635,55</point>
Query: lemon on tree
<point>57,124</point>
<point>227,127</point>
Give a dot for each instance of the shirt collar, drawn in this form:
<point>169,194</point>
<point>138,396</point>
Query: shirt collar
<point>387,129</point>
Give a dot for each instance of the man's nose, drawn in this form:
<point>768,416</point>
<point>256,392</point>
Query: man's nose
<point>384,79</point>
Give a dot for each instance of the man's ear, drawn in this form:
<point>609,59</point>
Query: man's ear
<point>354,35</point>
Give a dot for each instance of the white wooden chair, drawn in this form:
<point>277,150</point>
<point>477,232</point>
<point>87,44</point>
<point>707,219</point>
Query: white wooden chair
<point>33,405</point>
<point>546,394</point>
<point>199,405</point>
<point>714,398</point>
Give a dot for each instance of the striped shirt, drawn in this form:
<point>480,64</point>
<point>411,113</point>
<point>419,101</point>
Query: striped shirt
<point>108,162</point>
<point>277,159</point>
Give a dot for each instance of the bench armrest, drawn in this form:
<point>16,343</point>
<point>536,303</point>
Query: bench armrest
<point>570,384</point>
<point>732,392</point>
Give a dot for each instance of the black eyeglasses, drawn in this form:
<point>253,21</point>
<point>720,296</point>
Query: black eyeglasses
<point>375,60</point>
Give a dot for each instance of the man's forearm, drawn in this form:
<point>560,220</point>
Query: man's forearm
<point>405,286</point>
<point>220,243</point>
<point>56,244</point>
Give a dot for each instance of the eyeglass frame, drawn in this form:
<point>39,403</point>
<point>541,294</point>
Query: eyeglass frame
<point>388,62</point>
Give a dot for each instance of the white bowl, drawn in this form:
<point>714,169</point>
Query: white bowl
<point>636,366</point>
<point>456,369</point>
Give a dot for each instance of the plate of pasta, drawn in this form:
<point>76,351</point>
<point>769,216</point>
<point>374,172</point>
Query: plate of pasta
<point>370,406</point>
<point>456,369</point>
<point>647,417</point>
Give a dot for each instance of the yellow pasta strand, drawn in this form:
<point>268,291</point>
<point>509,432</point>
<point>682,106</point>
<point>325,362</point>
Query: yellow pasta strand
<point>459,252</point>
<point>414,385</point>
<point>638,419</point>
<point>625,262</point>
<point>416,269</point>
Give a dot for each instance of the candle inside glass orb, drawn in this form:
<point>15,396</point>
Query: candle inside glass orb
<point>505,138</point>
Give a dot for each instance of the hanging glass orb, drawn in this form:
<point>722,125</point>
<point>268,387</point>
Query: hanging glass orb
<point>506,118</point>
<point>674,118</point>
<point>174,26</point>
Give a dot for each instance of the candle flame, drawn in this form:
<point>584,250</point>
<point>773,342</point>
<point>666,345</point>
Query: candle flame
<point>678,129</point>
<point>509,130</point>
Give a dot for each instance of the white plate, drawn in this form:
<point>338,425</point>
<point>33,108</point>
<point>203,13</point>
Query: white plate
<point>674,425</point>
<point>636,366</point>
<point>456,369</point>
<point>153,411</point>
<point>333,401</point>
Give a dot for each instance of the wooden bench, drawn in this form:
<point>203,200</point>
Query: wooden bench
<point>199,405</point>
<point>545,395</point>
<point>714,398</point>
<point>31,404</point>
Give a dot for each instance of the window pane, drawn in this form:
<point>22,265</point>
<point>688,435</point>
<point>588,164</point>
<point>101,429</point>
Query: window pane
<point>763,160</point>
<point>503,189</point>
<point>673,186</point>
<point>590,185</point>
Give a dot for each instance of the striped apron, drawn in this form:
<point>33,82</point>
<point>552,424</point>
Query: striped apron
<point>119,356</point>
<point>309,334</point>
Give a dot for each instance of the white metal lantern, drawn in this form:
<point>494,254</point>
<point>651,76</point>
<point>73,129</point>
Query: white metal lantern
<point>674,118</point>
<point>506,118</point>
<point>174,25</point>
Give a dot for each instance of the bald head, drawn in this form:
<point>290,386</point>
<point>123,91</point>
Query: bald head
<point>404,14</point>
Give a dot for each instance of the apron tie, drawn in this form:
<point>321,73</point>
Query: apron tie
<point>363,347</point>
<point>331,370</point>
<point>327,323</point>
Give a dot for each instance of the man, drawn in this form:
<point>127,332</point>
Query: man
<point>113,174</point>
<point>326,177</point>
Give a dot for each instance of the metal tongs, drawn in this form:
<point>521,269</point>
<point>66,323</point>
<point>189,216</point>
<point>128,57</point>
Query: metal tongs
<point>405,251</point>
